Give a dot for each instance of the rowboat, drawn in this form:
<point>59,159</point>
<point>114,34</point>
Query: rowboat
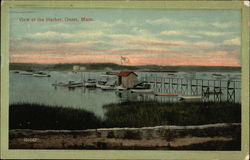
<point>41,74</point>
<point>90,83</point>
<point>76,85</point>
<point>16,71</point>
<point>120,88</point>
<point>26,73</point>
<point>190,97</point>
<point>172,75</point>
<point>106,87</point>
<point>60,84</point>
<point>218,76</point>
<point>70,84</point>
<point>141,90</point>
<point>165,94</point>
<point>112,73</point>
<point>101,83</point>
<point>98,85</point>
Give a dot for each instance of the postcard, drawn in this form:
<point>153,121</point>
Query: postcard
<point>125,80</point>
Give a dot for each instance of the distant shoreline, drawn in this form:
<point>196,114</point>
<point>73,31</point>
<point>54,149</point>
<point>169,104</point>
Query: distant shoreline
<point>115,67</point>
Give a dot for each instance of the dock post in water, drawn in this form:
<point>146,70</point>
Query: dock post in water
<point>230,92</point>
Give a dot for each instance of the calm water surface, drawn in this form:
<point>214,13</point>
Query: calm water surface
<point>30,89</point>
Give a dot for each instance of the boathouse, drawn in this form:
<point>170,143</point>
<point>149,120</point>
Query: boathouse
<point>127,79</point>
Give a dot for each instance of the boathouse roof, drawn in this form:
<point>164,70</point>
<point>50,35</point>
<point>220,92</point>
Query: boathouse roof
<point>125,73</point>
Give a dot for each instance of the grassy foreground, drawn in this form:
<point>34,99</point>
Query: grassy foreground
<point>140,114</point>
<point>37,116</point>
<point>127,114</point>
<point>51,127</point>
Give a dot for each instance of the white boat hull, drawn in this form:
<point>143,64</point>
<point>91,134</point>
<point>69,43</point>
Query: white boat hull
<point>190,97</point>
<point>107,87</point>
<point>90,85</point>
<point>69,85</point>
<point>41,75</point>
<point>99,85</point>
<point>165,94</point>
<point>141,90</point>
<point>120,88</point>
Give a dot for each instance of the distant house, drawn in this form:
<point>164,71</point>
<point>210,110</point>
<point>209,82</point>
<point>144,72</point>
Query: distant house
<point>127,79</point>
<point>82,68</point>
<point>76,68</point>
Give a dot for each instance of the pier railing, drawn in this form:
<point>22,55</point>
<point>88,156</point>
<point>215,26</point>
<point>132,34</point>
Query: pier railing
<point>210,89</point>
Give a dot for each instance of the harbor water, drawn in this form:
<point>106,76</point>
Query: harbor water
<point>39,90</point>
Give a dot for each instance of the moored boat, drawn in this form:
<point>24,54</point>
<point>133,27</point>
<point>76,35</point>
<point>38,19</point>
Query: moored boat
<point>112,73</point>
<point>101,82</point>
<point>16,71</point>
<point>190,75</point>
<point>109,85</point>
<point>190,97</point>
<point>41,74</point>
<point>120,88</point>
<point>172,75</point>
<point>142,88</point>
<point>218,76</point>
<point>70,84</point>
<point>165,94</point>
<point>60,84</point>
<point>90,83</point>
<point>26,73</point>
<point>98,85</point>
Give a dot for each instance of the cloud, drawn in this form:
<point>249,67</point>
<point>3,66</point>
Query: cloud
<point>119,21</point>
<point>44,34</point>
<point>139,30</point>
<point>158,21</point>
<point>55,48</point>
<point>121,36</point>
<point>194,36</point>
<point>223,25</point>
<point>214,34</point>
<point>235,41</point>
<point>98,24</point>
<point>205,44</point>
<point>135,51</point>
<point>220,53</point>
<point>58,35</point>
<point>171,32</point>
<point>158,43</point>
<point>21,40</point>
<point>60,25</point>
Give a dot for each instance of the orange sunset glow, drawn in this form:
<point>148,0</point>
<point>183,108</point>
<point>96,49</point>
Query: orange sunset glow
<point>159,38</point>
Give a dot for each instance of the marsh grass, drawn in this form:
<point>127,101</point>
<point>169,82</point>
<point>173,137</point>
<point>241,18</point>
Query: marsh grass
<point>37,116</point>
<point>127,114</point>
<point>140,114</point>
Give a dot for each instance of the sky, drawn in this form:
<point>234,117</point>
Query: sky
<point>140,36</point>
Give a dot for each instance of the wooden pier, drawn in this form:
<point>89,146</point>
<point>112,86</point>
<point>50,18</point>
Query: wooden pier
<point>216,90</point>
